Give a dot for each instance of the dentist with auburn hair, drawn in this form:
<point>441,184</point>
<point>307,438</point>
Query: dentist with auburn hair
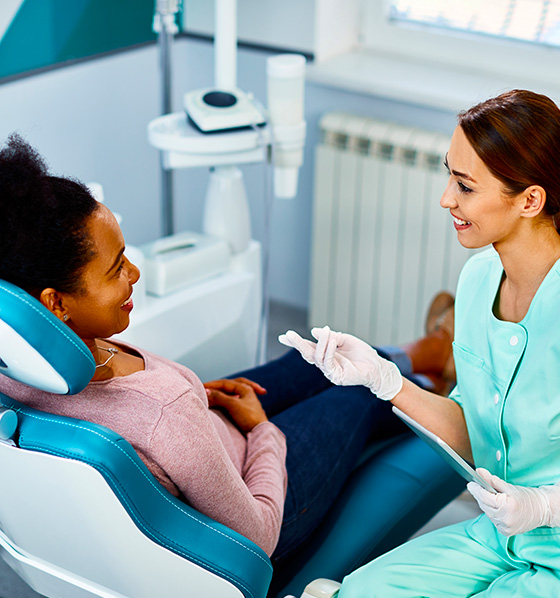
<point>504,414</point>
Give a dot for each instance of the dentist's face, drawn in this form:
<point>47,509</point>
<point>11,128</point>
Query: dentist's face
<point>482,213</point>
<point>102,307</point>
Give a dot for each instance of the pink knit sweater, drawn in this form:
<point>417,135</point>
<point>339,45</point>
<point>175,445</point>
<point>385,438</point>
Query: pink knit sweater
<point>192,450</point>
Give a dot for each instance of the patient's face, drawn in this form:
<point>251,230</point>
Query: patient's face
<point>102,308</point>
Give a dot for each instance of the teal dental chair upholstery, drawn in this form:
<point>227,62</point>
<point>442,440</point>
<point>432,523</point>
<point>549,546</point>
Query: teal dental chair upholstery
<point>81,515</point>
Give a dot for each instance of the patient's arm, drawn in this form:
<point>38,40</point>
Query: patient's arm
<point>246,495</point>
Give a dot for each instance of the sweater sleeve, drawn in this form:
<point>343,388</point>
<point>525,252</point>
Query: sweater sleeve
<point>187,446</point>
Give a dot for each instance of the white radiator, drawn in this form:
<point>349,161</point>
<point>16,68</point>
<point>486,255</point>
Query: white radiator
<point>382,245</point>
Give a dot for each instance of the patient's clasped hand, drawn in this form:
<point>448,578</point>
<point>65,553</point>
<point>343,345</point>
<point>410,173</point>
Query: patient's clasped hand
<point>347,361</point>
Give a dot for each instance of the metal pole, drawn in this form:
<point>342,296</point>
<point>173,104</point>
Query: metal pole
<point>166,28</point>
<point>167,216</point>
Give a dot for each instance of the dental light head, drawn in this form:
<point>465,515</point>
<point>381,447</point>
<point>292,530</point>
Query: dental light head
<point>223,107</point>
<point>212,110</point>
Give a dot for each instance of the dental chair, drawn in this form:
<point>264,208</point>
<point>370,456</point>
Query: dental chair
<point>82,516</point>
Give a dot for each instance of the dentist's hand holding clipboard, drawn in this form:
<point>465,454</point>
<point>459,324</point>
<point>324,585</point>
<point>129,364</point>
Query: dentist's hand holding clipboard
<point>517,509</point>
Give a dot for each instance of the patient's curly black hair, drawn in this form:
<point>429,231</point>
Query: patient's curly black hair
<point>43,235</point>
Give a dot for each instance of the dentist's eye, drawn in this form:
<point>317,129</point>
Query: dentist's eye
<point>463,188</point>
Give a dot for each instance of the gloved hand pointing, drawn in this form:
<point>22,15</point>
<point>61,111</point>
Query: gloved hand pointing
<point>347,361</point>
<point>517,509</point>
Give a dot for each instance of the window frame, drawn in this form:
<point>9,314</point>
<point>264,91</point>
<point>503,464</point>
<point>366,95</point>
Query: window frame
<point>519,60</point>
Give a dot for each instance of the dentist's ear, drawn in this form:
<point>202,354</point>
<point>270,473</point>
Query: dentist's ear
<point>534,201</point>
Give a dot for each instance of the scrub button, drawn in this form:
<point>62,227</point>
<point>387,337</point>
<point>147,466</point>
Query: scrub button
<point>513,340</point>
<point>498,456</point>
<point>496,398</point>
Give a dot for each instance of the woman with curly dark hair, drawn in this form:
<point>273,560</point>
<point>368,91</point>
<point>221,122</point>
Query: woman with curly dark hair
<point>222,445</point>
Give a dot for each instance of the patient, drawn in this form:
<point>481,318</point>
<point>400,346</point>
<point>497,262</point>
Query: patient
<point>265,452</point>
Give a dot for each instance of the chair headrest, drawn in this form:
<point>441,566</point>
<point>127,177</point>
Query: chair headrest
<point>37,349</point>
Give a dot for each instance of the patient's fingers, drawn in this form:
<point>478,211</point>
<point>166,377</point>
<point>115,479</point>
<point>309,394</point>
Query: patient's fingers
<point>260,390</point>
<point>305,347</point>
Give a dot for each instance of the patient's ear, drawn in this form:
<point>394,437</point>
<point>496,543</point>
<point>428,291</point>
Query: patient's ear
<point>53,301</point>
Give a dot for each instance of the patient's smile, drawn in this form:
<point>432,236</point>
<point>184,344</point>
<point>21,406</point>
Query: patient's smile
<point>128,303</point>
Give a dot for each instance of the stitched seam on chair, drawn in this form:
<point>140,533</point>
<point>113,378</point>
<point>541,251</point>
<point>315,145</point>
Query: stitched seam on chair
<point>151,482</point>
<point>169,544</point>
<point>166,542</point>
<point>64,332</point>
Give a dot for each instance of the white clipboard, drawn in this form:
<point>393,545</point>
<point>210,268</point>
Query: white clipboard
<point>445,451</point>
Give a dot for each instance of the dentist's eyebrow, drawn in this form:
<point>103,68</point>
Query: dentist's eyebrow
<point>456,173</point>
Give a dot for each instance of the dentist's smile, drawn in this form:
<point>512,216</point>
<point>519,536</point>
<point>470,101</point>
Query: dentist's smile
<point>460,224</point>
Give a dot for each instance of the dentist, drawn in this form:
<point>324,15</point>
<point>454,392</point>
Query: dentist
<point>504,414</point>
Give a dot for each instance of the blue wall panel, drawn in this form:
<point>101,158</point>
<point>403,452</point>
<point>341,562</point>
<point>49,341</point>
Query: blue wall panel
<point>44,33</point>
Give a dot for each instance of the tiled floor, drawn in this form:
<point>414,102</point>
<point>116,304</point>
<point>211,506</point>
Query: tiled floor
<point>282,318</point>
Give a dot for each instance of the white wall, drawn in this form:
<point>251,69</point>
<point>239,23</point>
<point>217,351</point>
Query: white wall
<point>90,121</point>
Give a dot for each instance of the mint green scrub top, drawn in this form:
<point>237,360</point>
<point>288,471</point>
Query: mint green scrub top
<point>508,384</point>
<point>508,381</point>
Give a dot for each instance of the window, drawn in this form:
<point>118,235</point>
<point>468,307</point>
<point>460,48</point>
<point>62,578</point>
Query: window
<point>482,36</point>
<point>536,21</point>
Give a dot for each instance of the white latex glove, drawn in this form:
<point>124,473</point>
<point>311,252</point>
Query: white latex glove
<point>347,361</point>
<point>517,509</point>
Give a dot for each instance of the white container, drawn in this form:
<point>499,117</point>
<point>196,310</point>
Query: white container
<point>285,88</point>
<point>226,211</point>
<point>286,81</point>
<point>181,260</point>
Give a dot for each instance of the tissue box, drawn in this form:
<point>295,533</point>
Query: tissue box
<point>174,262</point>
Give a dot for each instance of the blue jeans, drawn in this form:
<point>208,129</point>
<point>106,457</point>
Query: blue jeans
<point>327,428</point>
